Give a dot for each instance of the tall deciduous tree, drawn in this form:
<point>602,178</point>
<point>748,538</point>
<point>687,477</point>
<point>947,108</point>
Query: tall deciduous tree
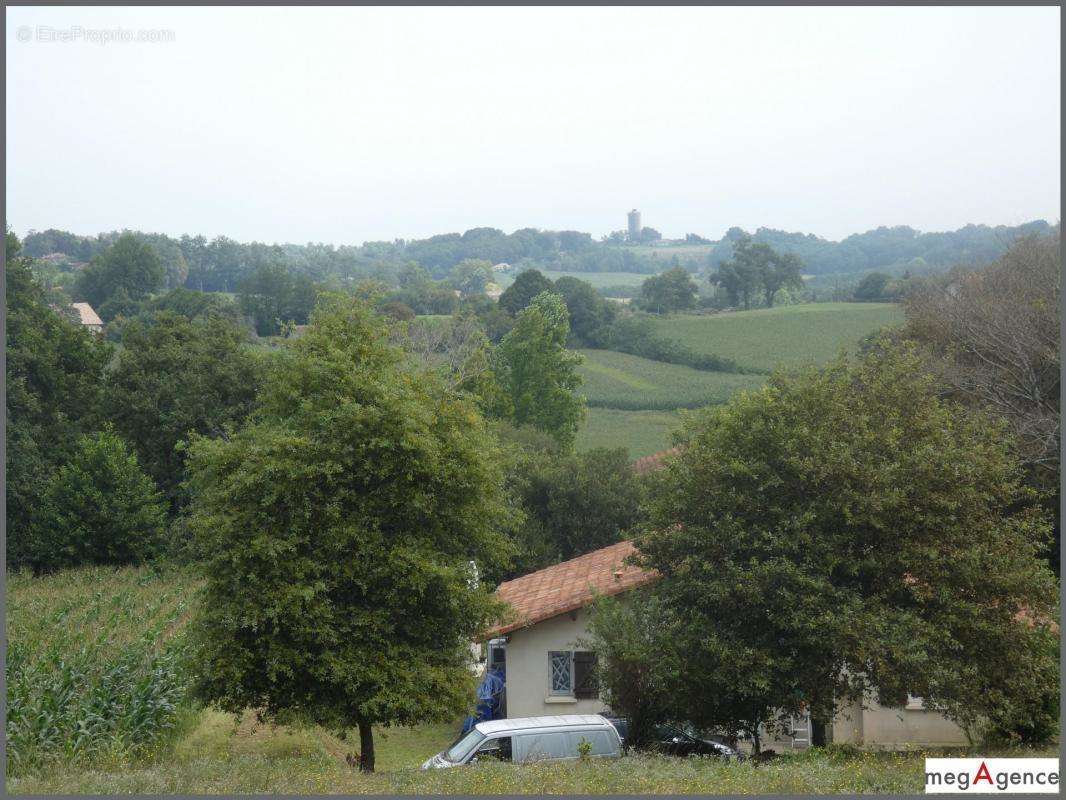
<point>520,294</point>
<point>672,290</point>
<point>589,312</point>
<point>849,531</point>
<point>99,508</point>
<point>782,271</point>
<point>130,264</point>
<point>538,374</point>
<point>573,504</point>
<point>345,527</point>
<point>54,372</point>
<point>175,377</point>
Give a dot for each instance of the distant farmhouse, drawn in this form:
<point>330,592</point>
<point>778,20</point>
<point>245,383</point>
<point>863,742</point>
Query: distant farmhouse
<point>88,317</point>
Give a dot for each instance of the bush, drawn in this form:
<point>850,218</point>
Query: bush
<point>99,508</point>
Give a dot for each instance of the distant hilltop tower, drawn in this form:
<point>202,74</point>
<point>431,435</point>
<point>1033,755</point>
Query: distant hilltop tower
<point>633,218</point>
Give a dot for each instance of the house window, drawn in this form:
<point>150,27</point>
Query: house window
<point>562,672</point>
<point>585,685</point>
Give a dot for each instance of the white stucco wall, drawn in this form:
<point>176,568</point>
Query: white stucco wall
<point>529,693</point>
<point>892,728</point>
<point>529,673</point>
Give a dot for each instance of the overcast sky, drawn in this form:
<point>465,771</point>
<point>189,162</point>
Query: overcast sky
<point>351,124</point>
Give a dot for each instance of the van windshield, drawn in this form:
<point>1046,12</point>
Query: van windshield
<point>462,746</point>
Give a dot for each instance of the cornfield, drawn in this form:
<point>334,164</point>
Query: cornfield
<point>94,665</point>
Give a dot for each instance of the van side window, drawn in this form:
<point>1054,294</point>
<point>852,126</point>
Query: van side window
<point>601,742</point>
<point>541,747</point>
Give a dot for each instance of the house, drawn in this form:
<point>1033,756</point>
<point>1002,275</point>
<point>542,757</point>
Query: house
<point>88,317</point>
<point>549,671</point>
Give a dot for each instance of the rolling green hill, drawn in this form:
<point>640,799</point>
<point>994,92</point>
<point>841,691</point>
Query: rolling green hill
<point>786,336</point>
<point>623,381</point>
<point>633,401</point>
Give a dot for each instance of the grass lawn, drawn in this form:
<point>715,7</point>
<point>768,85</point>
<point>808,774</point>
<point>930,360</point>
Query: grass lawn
<point>623,381</point>
<point>640,432</point>
<point>220,756</point>
<point>785,336</point>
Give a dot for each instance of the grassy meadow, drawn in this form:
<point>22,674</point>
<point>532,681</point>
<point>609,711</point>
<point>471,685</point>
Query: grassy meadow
<point>634,401</point>
<point>786,336</point>
<point>627,382</point>
<point>641,432</point>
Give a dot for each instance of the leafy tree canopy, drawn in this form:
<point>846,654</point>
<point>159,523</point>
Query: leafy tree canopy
<point>130,264</point>
<point>175,377</point>
<point>537,372</point>
<point>342,528</point>
<point>99,508</point>
<point>54,372</point>
<point>520,294</point>
<point>848,530</point>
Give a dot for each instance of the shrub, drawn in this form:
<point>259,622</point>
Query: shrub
<point>99,508</point>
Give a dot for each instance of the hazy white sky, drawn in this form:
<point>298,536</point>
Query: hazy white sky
<point>350,124</point>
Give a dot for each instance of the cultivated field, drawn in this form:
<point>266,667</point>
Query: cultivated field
<point>623,381</point>
<point>94,670</point>
<point>685,253</point>
<point>640,432</point>
<point>785,336</point>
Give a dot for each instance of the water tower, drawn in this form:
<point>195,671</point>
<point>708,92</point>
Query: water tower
<point>633,218</point>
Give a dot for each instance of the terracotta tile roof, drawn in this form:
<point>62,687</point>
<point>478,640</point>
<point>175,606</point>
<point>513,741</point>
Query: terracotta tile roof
<point>654,461</point>
<point>86,314</point>
<point>568,586</point>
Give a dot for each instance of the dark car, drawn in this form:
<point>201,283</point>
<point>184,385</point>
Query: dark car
<point>672,741</point>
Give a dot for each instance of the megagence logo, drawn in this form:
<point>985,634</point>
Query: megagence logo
<point>992,775</point>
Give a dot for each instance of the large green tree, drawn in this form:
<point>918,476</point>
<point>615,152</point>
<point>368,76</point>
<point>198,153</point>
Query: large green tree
<point>845,531</point>
<point>344,529</point>
<point>526,286</point>
<point>589,313</point>
<point>130,264</point>
<point>538,374</point>
<point>672,290</point>
<point>54,373</point>
<point>471,275</point>
<point>573,503</point>
<point>98,508</point>
<point>178,376</point>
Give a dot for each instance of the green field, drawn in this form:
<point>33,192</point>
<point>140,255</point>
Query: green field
<point>622,381</point>
<point>785,336</point>
<point>640,432</point>
<point>93,665</point>
<point>684,252</point>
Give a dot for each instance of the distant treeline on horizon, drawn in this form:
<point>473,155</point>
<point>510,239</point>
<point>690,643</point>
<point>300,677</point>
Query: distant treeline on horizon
<point>219,264</point>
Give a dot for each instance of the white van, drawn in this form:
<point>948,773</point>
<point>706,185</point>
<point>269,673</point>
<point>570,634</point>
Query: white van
<point>527,739</point>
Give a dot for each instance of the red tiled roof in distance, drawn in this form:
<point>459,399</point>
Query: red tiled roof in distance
<point>568,586</point>
<point>654,461</point>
